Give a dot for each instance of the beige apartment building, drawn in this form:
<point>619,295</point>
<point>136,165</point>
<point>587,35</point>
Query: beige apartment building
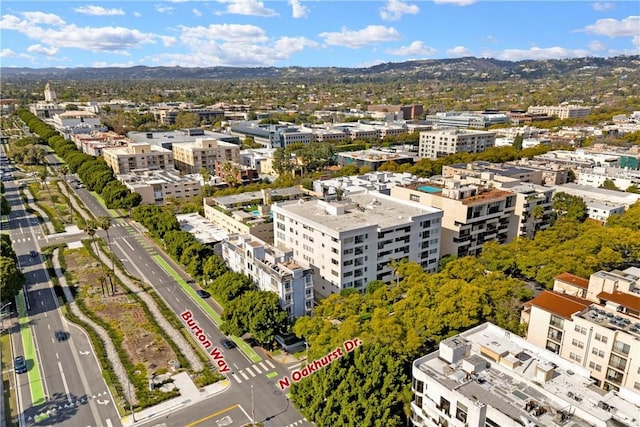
<point>440,143</point>
<point>190,157</point>
<point>136,156</point>
<point>560,111</point>
<point>160,186</point>
<point>473,214</point>
<point>594,323</point>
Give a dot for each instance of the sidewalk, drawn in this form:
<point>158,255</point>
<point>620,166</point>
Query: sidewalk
<point>189,395</point>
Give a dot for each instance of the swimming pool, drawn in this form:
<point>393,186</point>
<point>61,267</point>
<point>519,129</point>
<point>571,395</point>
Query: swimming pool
<point>429,189</point>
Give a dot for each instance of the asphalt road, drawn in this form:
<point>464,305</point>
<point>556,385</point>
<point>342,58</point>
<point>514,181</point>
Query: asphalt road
<point>75,393</point>
<point>136,253</point>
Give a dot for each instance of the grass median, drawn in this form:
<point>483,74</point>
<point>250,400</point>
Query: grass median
<point>35,380</point>
<point>242,345</point>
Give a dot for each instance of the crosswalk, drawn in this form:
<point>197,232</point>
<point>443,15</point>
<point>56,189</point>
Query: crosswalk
<point>252,371</point>
<point>298,423</point>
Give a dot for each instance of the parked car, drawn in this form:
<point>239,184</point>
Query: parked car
<point>203,294</point>
<point>19,365</point>
<point>227,343</point>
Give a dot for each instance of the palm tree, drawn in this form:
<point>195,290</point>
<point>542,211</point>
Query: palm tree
<point>104,222</point>
<point>90,227</point>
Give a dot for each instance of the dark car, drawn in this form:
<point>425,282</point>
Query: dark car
<point>61,336</point>
<point>19,365</point>
<point>227,343</point>
<point>203,294</point>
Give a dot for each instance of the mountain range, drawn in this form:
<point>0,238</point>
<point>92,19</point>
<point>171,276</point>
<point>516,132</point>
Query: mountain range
<point>458,69</point>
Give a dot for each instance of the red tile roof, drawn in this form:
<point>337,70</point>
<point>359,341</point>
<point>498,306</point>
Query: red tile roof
<point>563,305</point>
<point>631,301</point>
<point>572,279</point>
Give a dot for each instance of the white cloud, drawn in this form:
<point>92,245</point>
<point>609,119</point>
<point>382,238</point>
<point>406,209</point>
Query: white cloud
<point>371,63</point>
<point>9,53</point>
<point>298,10</point>
<point>164,9</point>
<point>38,48</point>
<point>168,41</point>
<point>191,36</point>
<point>196,12</point>
<point>416,48</point>
<point>636,41</point>
<point>96,39</point>
<point>137,14</point>
<point>354,39</point>
<point>456,2</point>
<point>459,51</point>
<point>98,11</point>
<point>602,6</point>
<point>247,7</point>
<point>394,10</point>
<point>610,27</point>
<point>43,18</point>
<point>555,52</point>
<point>103,64</point>
<point>597,46</point>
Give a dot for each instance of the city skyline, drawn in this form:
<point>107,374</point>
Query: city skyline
<point>250,33</point>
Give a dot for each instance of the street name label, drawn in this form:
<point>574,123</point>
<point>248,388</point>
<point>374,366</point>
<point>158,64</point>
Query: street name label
<point>217,355</point>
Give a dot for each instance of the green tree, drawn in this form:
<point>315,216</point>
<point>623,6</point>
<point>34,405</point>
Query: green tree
<point>569,207</point>
<point>5,207</point>
<point>609,185</point>
<point>186,120</point>
<point>517,142</point>
<point>11,278</point>
<point>257,313</point>
<point>230,285</point>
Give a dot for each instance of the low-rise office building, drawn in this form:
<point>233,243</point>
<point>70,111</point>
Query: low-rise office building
<point>272,269</point>
<point>353,241</point>
<point>563,111</point>
<point>441,143</point>
<point>137,156</point>
<point>372,159</point>
<point>487,376</point>
<point>594,323</point>
<point>160,186</point>
<point>466,120</point>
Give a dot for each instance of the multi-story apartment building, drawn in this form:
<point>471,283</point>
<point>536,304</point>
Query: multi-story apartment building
<point>190,157</point>
<point>487,376</point>
<point>372,158</point>
<point>594,323</point>
<point>560,111</point>
<point>272,269</point>
<point>160,186</point>
<point>621,178</point>
<point>248,212</point>
<point>440,143</point>
<point>473,214</point>
<point>353,241</point>
<point>407,112</point>
<point>77,121</point>
<point>137,156</point>
<point>533,208</point>
<point>168,115</point>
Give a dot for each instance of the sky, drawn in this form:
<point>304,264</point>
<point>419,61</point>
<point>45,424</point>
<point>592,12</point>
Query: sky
<point>356,33</point>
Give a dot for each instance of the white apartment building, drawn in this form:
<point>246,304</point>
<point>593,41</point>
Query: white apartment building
<point>533,208</point>
<point>487,376</point>
<point>161,185</point>
<point>190,157</point>
<point>272,269</point>
<point>77,121</point>
<point>560,111</point>
<point>595,177</point>
<point>594,323</point>
<point>352,242</point>
<point>440,143</point>
<point>137,156</point>
<point>473,213</point>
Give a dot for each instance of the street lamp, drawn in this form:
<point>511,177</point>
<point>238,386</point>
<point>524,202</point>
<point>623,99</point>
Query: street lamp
<point>253,413</point>
<point>133,415</point>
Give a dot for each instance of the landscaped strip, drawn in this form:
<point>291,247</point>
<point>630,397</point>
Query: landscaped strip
<point>35,380</point>
<point>100,200</point>
<point>243,346</point>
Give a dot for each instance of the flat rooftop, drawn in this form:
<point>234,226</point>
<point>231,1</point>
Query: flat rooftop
<point>509,386</point>
<point>249,197</point>
<point>203,230</point>
<point>360,210</point>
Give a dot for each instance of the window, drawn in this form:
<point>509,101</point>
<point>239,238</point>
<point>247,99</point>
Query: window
<point>557,321</point>
<point>597,352</point>
<point>575,357</point>
<point>418,386</point>
<point>461,412</point>
<point>577,343</point>
<point>595,366</point>
<point>620,347</point>
<point>414,197</point>
<point>603,339</point>
<point>617,362</point>
<point>580,329</point>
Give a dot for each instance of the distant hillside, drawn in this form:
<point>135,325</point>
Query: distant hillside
<point>458,69</point>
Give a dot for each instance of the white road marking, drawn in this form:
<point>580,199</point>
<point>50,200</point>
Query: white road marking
<point>64,382</point>
<point>268,362</point>
<point>257,369</point>
<point>235,377</point>
<point>245,376</point>
<point>128,244</point>
<point>108,421</point>
<point>250,372</point>
<point>263,367</point>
